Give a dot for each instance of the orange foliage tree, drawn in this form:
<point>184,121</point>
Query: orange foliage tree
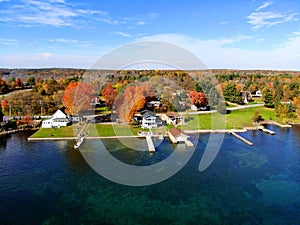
<point>77,97</point>
<point>198,98</point>
<point>132,100</point>
<point>296,104</point>
<point>109,94</point>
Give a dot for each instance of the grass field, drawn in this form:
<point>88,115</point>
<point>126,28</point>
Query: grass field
<point>54,132</point>
<point>95,130</point>
<point>237,119</point>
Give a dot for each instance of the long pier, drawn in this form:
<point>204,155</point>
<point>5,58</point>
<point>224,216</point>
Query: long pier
<point>150,143</point>
<point>241,138</point>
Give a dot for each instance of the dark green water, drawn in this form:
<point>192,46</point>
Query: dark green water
<point>50,183</point>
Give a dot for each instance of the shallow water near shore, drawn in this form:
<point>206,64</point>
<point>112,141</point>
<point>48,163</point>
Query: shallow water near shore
<point>50,183</point>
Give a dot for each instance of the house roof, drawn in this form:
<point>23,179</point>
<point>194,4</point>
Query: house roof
<point>63,109</point>
<point>147,113</point>
<point>175,132</point>
<point>172,114</point>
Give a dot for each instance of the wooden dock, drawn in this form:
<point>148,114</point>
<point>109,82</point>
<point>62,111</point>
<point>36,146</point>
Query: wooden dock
<point>241,138</point>
<point>267,131</point>
<point>189,143</point>
<point>150,144</point>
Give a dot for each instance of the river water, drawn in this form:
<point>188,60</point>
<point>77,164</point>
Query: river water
<point>50,183</point>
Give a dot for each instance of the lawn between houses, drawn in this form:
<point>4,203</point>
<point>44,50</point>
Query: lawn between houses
<point>94,130</point>
<point>237,119</point>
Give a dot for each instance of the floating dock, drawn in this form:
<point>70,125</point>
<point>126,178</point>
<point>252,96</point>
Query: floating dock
<point>241,138</point>
<point>150,144</point>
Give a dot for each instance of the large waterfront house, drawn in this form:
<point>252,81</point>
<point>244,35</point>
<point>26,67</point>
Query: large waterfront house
<point>176,135</point>
<point>150,120</point>
<point>59,119</point>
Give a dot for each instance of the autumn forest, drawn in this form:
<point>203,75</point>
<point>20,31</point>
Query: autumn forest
<point>37,92</point>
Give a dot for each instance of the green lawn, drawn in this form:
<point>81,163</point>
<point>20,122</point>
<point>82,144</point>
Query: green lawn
<point>102,110</point>
<point>54,132</point>
<point>95,130</point>
<point>236,119</point>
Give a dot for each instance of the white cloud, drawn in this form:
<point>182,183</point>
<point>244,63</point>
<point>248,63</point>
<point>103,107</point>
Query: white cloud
<point>216,54</point>
<point>123,34</point>
<point>70,41</point>
<point>46,60</point>
<point>8,42</point>
<point>268,19</point>
<point>223,22</point>
<point>54,12</point>
<point>57,1</point>
<point>264,5</point>
<point>46,55</point>
<point>62,40</point>
<point>140,23</point>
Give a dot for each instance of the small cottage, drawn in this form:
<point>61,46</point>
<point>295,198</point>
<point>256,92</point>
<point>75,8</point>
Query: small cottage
<point>59,119</point>
<point>174,118</point>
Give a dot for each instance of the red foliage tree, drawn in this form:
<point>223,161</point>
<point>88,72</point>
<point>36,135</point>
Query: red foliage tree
<point>77,97</point>
<point>198,98</point>
<point>109,94</point>
<point>4,104</point>
<point>19,82</point>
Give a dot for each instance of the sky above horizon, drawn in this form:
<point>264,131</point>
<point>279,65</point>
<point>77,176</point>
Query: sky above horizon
<point>233,34</point>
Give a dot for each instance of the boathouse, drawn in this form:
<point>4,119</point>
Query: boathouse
<point>176,135</point>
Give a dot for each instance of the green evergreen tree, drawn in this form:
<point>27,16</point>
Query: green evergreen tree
<point>231,93</point>
<point>268,98</point>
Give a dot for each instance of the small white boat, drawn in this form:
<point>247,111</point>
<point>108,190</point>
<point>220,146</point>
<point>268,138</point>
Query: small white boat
<point>79,142</point>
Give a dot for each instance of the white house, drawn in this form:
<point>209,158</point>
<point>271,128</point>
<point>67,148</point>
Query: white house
<point>176,135</point>
<point>258,94</point>
<point>148,119</point>
<point>174,118</point>
<point>59,119</point>
<point>153,104</point>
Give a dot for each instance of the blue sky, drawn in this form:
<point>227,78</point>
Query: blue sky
<point>232,34</point>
